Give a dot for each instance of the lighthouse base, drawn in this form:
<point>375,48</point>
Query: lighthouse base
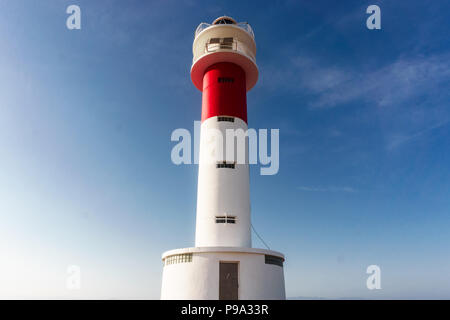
<point>213,273</point>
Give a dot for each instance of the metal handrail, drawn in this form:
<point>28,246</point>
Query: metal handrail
<point>243,25</point>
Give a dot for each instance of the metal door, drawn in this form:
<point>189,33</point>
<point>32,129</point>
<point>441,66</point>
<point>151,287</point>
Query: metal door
<point>228,281</point>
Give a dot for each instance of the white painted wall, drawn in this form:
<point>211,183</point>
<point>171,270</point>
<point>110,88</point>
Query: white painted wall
<point>199,279</point>
<point>221,192</point>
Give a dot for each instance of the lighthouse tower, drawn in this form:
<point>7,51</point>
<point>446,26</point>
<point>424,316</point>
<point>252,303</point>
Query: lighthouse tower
<point>223,264</point>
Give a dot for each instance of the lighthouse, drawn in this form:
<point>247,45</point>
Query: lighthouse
<point>223,264</point>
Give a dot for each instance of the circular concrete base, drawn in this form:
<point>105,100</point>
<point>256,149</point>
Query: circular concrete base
<point>193,273</point>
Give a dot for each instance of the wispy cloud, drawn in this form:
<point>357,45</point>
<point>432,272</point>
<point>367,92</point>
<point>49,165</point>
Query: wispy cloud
<point>405,97</point>
<point>327,189</point>
<point>331,85</point>
<point>399,139</point>
<point>392,84</point>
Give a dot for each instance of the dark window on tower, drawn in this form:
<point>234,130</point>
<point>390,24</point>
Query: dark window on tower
<point>227,43</point>
<point>214,40</point>
<point>221,43</point>
<point>274,260</point>
<point>225,80</point>
<point>225,165</point>
<point>227,40</point>
<point>229,119</point>
<point>225,219</point>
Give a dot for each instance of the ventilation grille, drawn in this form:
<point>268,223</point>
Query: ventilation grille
<point>178,258</point>
<point>229,119</point>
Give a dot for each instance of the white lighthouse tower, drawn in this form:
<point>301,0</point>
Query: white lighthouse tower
<point>223,264</point>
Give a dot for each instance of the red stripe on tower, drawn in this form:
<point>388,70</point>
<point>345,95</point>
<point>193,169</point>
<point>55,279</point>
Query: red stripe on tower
<point>224,91</point>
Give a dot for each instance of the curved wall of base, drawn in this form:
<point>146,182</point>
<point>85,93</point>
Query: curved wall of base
<point>194,273</point>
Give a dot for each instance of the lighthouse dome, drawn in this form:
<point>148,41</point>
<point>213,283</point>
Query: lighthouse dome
<point>224,20</point>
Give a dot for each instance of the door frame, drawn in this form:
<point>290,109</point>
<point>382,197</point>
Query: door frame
<point>238,263</point>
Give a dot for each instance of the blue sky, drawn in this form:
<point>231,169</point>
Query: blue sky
<point>86,117</point>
